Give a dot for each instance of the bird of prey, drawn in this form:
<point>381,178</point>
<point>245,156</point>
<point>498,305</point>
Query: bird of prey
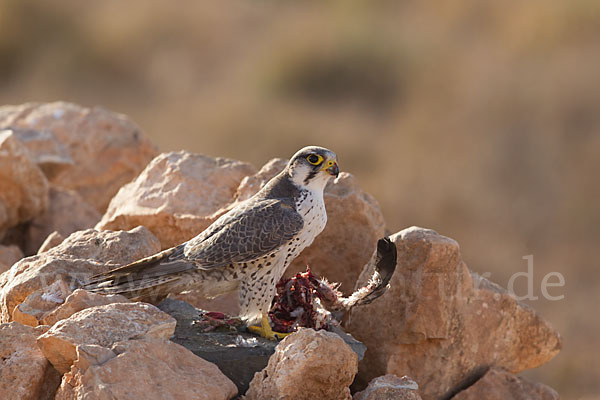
<point>247,249</point>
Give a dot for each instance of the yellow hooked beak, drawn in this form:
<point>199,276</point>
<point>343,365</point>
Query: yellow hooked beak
<point>331,168</point>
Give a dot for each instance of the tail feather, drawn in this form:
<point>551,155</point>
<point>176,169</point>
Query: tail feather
<point>150,276</point>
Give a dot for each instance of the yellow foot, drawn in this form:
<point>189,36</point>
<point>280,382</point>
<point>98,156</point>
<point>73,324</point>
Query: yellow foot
<point>265,330</point>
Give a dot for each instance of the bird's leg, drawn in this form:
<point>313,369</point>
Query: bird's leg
<point>265,330</point>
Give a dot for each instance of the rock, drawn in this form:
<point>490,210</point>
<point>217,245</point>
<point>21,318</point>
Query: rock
<point>160,369</point>
<point>8,256</point>
<point>177,196</point>
<point>80,300</point>
<point>251,184</point>
<point>82,254</point>
<point>67,213</point>
<point>390,387</point>
<point>23,186</point>
<point>498,384</point>
<point>40,302</point>
<point>227,303</point>
<point>53,240</point>
<point>98,151</point>
<point>239,355</point>
<point>45,150</point>
<point>354,224</point>
<point>307,364</point>
<point>25,374</point>
<point>442,325</point>
<point>103,326</point>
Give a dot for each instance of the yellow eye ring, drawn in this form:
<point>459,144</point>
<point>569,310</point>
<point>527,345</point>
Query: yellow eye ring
<point>314,159</point>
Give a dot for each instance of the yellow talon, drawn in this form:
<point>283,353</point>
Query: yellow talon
<point>265,330</point>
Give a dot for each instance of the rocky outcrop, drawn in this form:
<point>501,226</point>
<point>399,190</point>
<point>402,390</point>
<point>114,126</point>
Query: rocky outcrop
<point>103,326</point>
<point>443,325</point>
<point>159,369</point>
<point>23,186</point>
<point>455,333</point>
<point>177,196</point>
<point>25,374</point>
<point>307,364</point>
<point>67,213</point>
<point>389,387</point>
<point>98,151</point>
<point>82,254</point>
<point>498,384</point>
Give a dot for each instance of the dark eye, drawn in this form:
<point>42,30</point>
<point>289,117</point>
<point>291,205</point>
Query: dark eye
<point>314,159</point>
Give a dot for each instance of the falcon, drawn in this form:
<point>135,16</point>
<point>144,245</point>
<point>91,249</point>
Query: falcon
<point>247,249</point>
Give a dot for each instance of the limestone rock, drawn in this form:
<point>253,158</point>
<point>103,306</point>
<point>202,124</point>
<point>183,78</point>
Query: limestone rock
<point>177,196</point>
<point>106,149</point>
<point>23,186</point>
<point>8,256</point>
<point>307,364</point>
<point>442,325</point>
<point>80,300</point>
<point>390,387</point>
<point>67,213</point>
<point>160,369</point>
<point>82,254</point>
<point>25,374</point>
<point>45,150</point>
<point>53,240</point>
<point>251,184</point>
<point>40,302</point>
<point>498,384</point>
<point>354,224</point>
<point>103,326</point>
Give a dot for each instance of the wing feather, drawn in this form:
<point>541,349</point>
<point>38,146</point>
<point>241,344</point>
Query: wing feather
<point>245,234</point>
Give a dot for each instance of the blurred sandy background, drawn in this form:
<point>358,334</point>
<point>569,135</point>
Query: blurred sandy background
<point>479,119</point>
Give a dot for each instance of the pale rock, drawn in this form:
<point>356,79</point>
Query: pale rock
<point>80,300</point>
<point>53,240</point>
<point>251,184</point>
<point>82,254</point>
<point>67,213</point>
<point>177,196</point>
<point>23,186</point>
<point>103,326</point>
<point>25,374</point>
<point>8,256</point>
<point>160,369</point>
<point>40,302</point>
<point>442,325</point>
<point>389,387</point>
<point>498,384</point>
<point>307,364</point>
<point>45,150</point>
<point>98,151</point>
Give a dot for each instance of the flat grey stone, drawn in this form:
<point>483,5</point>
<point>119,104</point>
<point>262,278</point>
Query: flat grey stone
<point>238,353</point>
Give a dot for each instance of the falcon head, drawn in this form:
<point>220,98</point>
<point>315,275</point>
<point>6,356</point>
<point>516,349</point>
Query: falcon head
<point>312,166</point>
